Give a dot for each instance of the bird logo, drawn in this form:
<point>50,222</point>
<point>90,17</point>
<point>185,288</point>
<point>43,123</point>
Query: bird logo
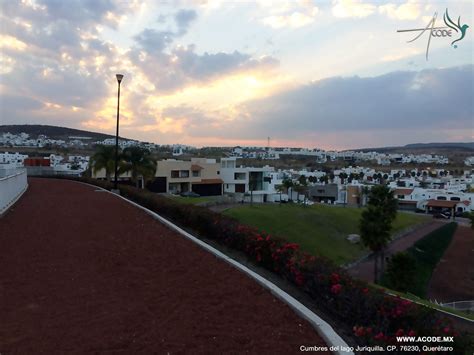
<point>456,27</point>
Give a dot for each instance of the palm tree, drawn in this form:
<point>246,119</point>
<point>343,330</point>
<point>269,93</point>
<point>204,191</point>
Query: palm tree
<point>139,163</point>
<point>376,223</point>
<point>280,188</point>
<point>104,158</point>
<point>288,183</point>
<point>375,233</point>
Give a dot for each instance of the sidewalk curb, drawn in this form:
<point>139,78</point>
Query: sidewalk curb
<point>322,327</point>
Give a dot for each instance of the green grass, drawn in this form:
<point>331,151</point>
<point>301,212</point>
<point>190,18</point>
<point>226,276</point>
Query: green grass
<point>318,229</point>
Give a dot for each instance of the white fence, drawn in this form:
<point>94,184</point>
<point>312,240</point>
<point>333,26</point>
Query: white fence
<point>12,185</point>
<point>466,306</point>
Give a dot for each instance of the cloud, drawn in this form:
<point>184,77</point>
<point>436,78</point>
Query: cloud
<point>415,99</point>
<point>295,20</point>
<point>153,41</point>
<point>183,19</point>
<point>428,100</point>
<point>410,10</point>
<point>396,108</point>
<point>352,8</point>
<point>289,14</point>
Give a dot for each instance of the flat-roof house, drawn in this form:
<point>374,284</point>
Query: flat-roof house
<point>199,175</point>
<point>246,180</point>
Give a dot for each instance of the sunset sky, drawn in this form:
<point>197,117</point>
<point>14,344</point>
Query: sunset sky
<point>326,74</point>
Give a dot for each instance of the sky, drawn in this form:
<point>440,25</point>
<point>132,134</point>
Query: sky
<point>317,74</point>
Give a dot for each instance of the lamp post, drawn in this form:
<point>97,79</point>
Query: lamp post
<point>119,80</point>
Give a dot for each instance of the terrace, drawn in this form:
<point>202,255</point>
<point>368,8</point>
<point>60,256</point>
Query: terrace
<point>84,271</point>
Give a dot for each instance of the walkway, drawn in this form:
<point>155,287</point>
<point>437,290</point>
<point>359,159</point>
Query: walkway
<point>365,269</point>
<point>82,271</point>
<point>453,277</point>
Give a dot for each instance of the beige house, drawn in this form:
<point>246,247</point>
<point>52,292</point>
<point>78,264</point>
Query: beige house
<point>199,175</point>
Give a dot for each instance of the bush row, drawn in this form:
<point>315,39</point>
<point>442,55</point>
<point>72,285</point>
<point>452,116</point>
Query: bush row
<point>373,316</point>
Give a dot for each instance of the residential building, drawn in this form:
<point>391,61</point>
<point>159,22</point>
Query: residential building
<point>200,175</point>
<point>245,181</point>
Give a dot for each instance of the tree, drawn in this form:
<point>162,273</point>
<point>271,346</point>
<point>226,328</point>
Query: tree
<point>376,223</point>
<point>139,163</point>
<point>301,188</point>
<point>104,158</point>
<point>381,196</point>
<point>374,233</point>
<point>363,193</point>
<point>287,183</point>
<point>280,188</point>
<point>400,275</point>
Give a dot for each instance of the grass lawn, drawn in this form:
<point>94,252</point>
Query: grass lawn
<point>318,229</point>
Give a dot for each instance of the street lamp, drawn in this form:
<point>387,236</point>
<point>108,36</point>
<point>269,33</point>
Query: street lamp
<point>119,80</point>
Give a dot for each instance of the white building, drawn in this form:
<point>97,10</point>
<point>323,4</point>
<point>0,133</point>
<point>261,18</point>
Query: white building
<point>247,182</point>
<point>14,159</point>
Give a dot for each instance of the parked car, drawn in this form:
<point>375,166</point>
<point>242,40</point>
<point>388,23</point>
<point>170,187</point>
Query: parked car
<point>189,194</point>
<point>441,216</point>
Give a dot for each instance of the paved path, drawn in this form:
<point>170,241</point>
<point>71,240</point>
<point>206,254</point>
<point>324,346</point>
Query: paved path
<point>365,269</point>
<point>453,277</point>
<point>84,272</point>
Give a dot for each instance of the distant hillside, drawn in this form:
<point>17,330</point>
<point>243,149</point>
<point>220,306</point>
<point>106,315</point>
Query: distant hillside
<point>423,148</point>
<point>467,145</point>
<point>53,132</point>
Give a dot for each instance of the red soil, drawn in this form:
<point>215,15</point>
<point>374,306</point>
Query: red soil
<point>85,272</point>
<point>453,277</point>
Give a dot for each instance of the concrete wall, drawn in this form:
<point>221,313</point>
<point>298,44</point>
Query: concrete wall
<point>12,187</point>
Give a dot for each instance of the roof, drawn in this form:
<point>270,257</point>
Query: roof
<point>196,167</point>
<point>441,203</point>
<point>403,191</point>
<point>407,202</point>
<point>208,182</point>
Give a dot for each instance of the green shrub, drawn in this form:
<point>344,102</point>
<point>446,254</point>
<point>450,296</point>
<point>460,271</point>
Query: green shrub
<point>400,272</point>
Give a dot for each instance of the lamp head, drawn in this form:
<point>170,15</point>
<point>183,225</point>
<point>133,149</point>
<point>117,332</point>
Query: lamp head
<point>119,77</point>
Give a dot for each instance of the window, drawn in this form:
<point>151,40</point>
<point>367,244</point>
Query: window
<point>184,173</point>
<point>240,176</point>
<point>218,172</point>
<point>455,199</point>
<point>175,173</point>
<point>401,197</point>
<point>441,198</point>
<point>196,173</point>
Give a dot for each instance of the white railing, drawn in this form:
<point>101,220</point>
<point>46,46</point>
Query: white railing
<point>12,185</point>
<point>467,306</point>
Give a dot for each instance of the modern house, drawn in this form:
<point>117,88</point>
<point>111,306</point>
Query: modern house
<point>199,175</point>
<point>244,182</point>
<point>328,193</point>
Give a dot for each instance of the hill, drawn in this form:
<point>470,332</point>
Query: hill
<point>53,132</point>
<point>422,148</point>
